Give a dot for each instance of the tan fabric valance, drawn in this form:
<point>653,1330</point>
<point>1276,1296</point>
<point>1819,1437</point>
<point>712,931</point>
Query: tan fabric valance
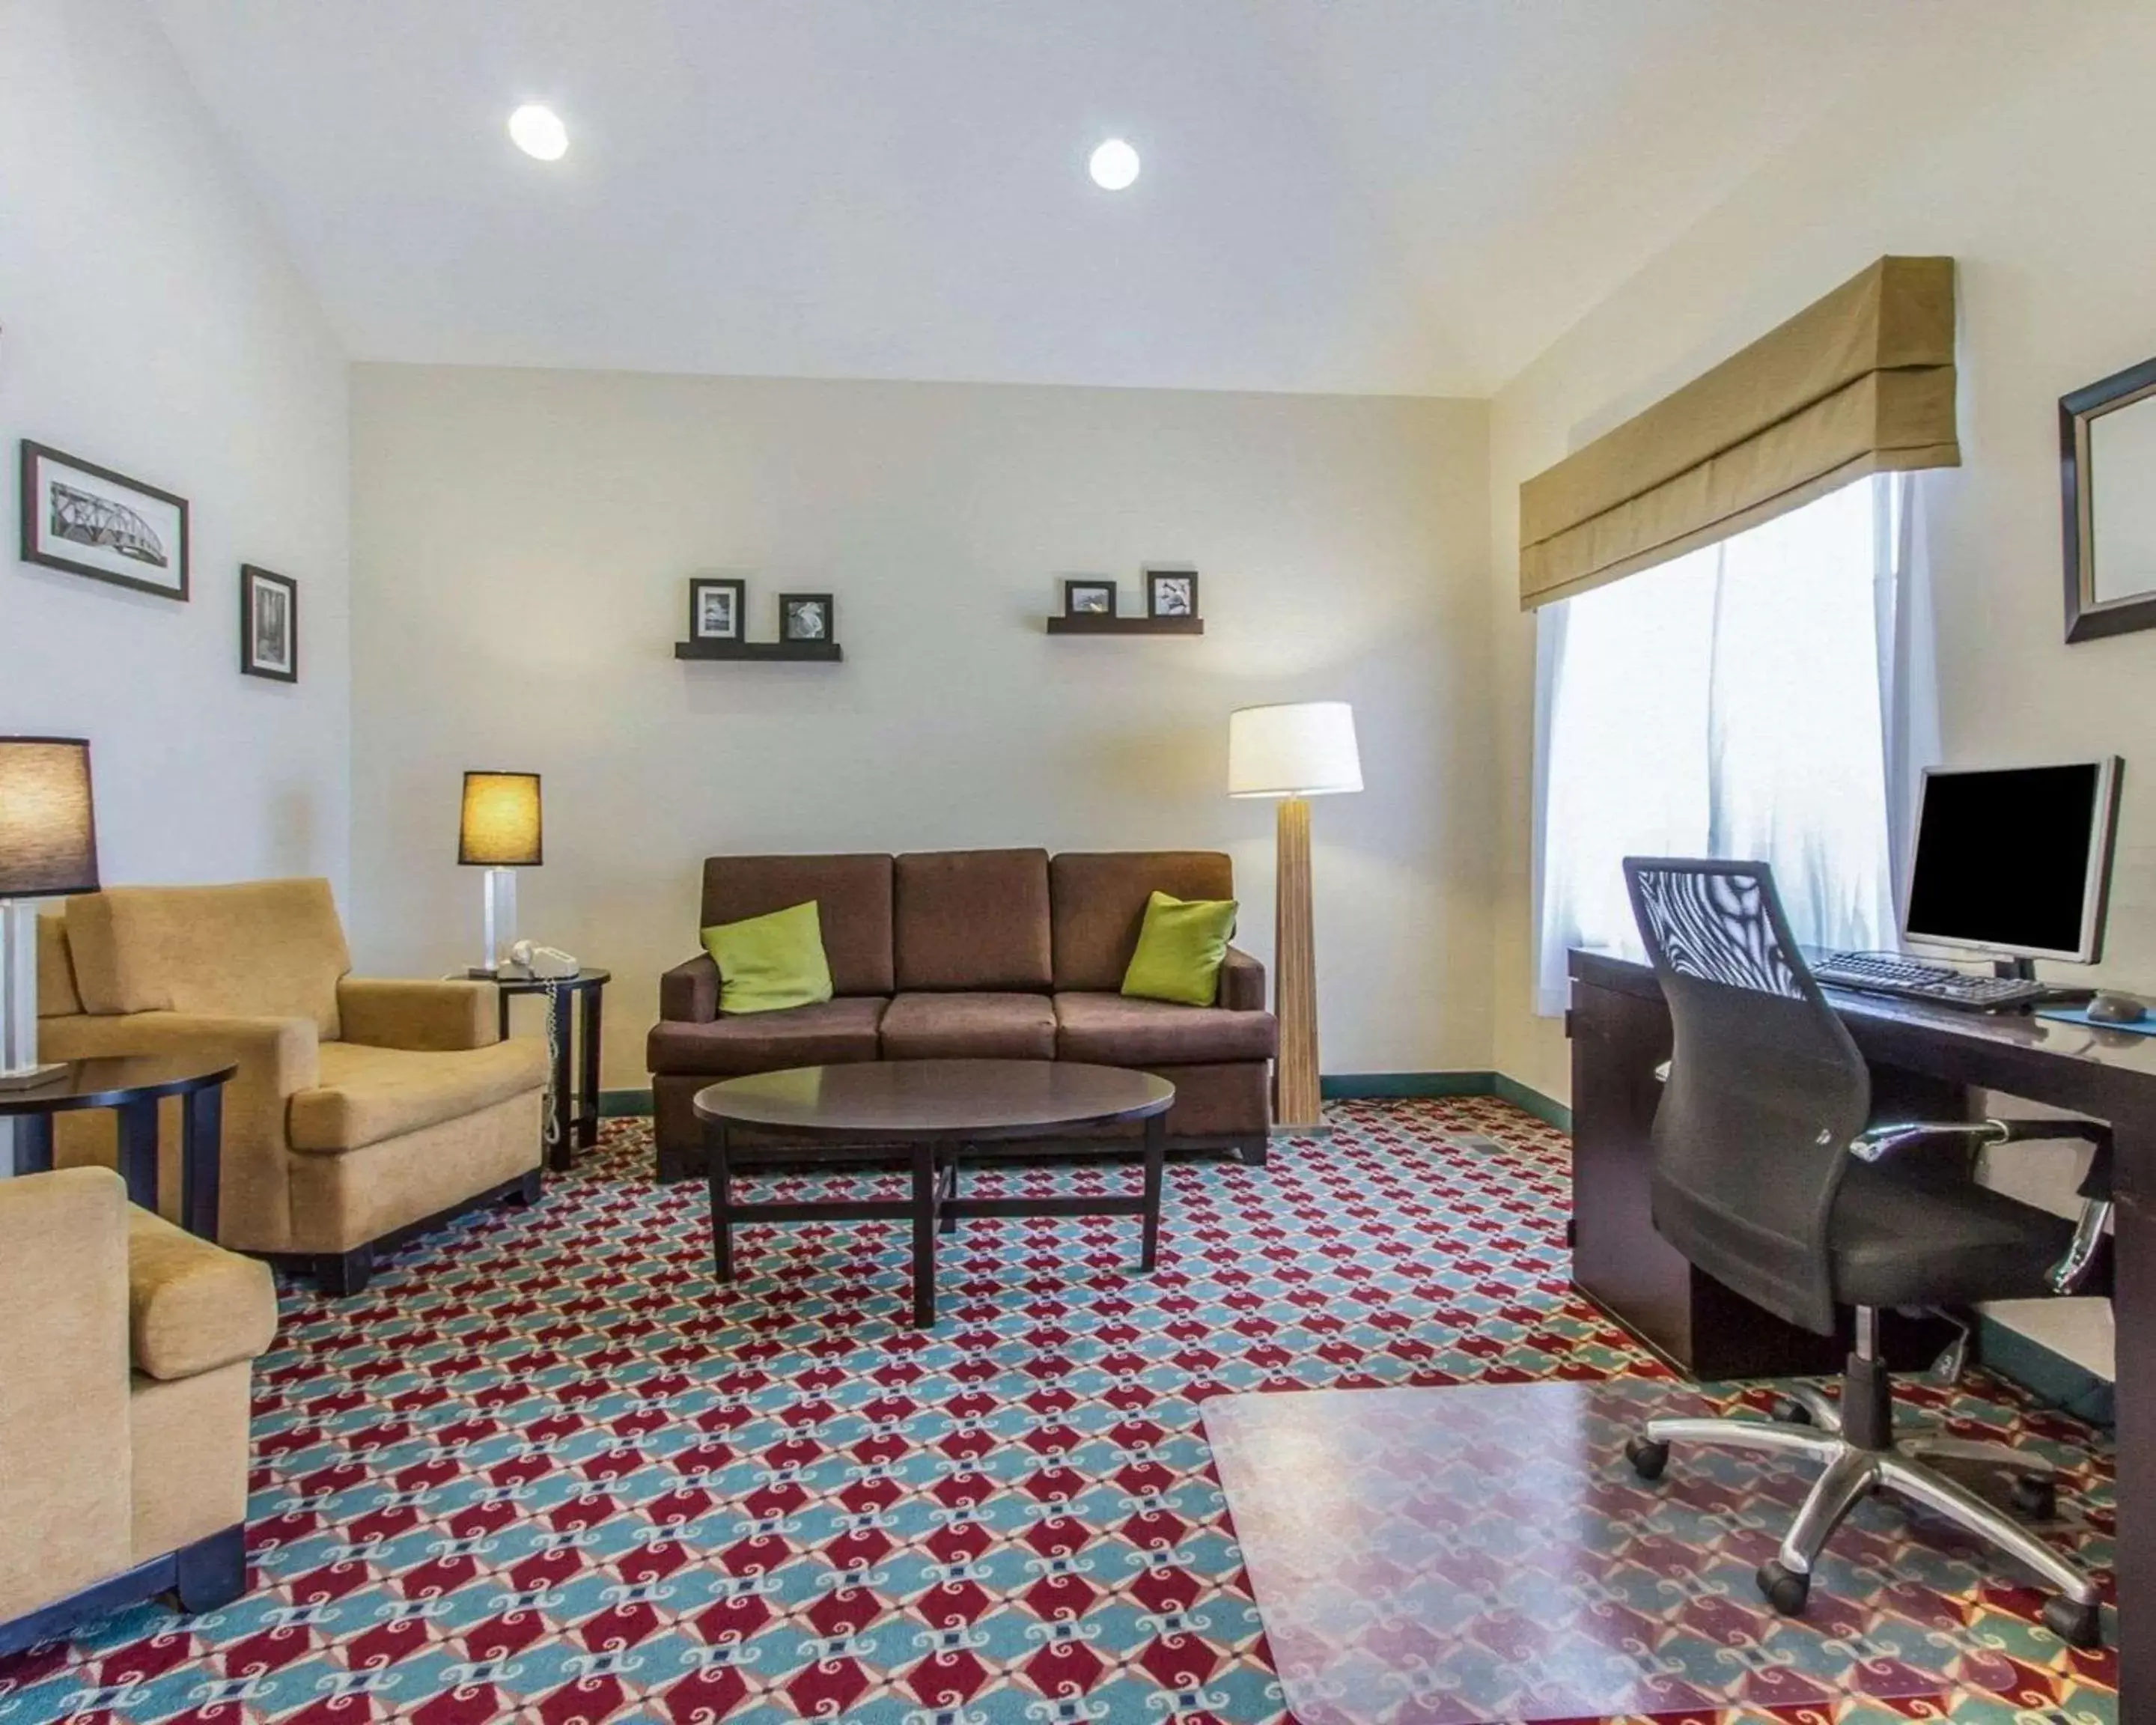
<point>1861,382</point>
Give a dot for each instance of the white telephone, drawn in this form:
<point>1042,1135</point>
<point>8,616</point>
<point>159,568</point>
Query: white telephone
<point>545,964</point>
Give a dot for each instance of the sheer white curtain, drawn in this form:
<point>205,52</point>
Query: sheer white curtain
<point>1767,697</point>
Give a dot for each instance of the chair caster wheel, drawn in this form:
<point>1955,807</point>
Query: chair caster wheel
<point>1785,1589</point>
<point>2035,1496</point>
<point>2076,1625</point>
<point>1648,1458</point>
<point>1789,1411</point>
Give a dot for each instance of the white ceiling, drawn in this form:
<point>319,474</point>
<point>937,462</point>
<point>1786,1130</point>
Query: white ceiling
<point>1390,196</point>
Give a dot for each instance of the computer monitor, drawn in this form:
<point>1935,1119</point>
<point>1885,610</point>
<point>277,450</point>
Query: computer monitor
<point>2014,859</point>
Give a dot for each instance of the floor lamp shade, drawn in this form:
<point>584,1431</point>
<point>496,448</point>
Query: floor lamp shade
<point>1303,748</point>
<point>1294,752</point>
<point>500,826</point>
<point>48,828</point>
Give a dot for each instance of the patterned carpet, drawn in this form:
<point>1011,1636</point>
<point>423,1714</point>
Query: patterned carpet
<point>545,1470</point>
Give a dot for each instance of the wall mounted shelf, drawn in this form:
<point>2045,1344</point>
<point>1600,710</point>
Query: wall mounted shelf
<point>799,652</point>
<point>1097,625</point>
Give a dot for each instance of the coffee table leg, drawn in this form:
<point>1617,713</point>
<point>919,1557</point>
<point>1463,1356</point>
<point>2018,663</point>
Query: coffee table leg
<point>721,1180</point>
<point>924,1235</point>
<point>138,1152</point>
<point>1156,1154</point>
<point>201,1152</point>
<point>33,1143</point>
<point>950,1189</point>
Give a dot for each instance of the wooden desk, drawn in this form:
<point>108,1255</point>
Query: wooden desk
<point>1925,1062</point>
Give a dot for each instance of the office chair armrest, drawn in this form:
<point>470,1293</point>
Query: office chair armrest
<point>2090,1227</point>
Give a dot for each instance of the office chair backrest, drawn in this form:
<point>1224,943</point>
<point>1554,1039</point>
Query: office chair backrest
<point>1765,1088</point>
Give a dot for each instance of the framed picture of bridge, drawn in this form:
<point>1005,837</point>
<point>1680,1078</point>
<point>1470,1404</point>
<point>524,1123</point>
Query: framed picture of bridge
<point>90,520</point>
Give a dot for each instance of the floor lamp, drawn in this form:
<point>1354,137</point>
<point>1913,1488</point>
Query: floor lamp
<point>48,848</point>
<point>1295,751</point>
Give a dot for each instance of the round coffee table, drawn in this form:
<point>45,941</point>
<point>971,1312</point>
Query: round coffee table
<point>132,1085</point>
<point>939,1109</point>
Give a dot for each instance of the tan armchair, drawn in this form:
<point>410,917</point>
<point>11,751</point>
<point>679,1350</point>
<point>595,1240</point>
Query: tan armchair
<point>362,1109</point>
<point>124,1397</point>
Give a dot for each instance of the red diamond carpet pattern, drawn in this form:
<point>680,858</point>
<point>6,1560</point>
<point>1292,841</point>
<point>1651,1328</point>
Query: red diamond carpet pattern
<point>545,1469</point>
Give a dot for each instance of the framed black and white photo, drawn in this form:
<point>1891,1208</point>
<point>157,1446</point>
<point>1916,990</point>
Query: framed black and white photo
<point>268,624</point>
<point>90,520</point>
<point>1171,593</point>
<point>1088,598</point>
<point>805,617</point>
<point>717,607</point>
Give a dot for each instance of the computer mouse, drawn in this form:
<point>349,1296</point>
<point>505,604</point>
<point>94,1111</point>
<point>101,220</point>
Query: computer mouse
<point>2109,1008</point>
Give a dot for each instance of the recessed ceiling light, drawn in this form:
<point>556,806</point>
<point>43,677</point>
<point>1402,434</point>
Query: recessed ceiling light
<point>1114,165</point>
<point>538,131</point>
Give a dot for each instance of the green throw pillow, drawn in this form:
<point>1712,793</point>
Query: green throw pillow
<point>1181,948</point>
<point>767,963</point>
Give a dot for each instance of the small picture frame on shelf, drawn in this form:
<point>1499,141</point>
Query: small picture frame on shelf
<point>1085,598</point>
<point>268,624</point>
<point>1171,593</point>
<point>718,607</point>
<point>804,617</point>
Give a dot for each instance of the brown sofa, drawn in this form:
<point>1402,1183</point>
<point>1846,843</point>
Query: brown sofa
<point>362,1109</point>
<point>124,1392</point>
<point>980,954</point>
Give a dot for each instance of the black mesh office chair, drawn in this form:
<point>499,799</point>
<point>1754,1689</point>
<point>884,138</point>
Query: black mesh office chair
<point>1770,1176</point>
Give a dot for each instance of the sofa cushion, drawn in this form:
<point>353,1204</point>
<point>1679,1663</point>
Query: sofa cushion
<point>1116,1030</point>
<point>261,949</point>
<point>982,1026</point>
<point>364,1095</point>
<point>193,1306</point>
<point>821,1035</point>
<point>971,919</point>
<point>853,908</point>
<point>1100,902</point>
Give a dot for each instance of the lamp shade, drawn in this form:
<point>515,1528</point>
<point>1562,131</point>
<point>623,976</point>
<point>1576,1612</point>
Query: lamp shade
<point>48,828</point>
<point>1302,748</point>
<point>500,824</point>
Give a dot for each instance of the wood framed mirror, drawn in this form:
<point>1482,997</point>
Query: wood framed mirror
<point>2108,480</point>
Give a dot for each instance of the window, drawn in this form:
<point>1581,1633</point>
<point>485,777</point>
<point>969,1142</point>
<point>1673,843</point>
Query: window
<point>1734,702</point>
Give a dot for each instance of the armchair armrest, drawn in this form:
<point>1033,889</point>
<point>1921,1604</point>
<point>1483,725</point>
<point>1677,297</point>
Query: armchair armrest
<point>1242,986</point>
<point>430,1016</point>
<point>690,992</point>
<point>275,1056</point>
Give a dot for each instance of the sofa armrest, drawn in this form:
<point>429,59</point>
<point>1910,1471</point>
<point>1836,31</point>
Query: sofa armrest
<point>435,1017</point>
<point>1242,982</point>
<point>690,992</point>
<point>63,1432</point>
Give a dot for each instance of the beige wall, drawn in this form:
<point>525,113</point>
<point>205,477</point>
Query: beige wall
<point>523,545</point>
<point>2026,154</point>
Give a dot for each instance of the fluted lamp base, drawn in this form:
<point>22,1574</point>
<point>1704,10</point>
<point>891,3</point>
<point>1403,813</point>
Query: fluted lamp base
<point>1298,1105</point>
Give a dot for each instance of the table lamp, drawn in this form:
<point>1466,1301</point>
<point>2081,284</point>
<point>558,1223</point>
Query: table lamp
<point>500,833</point>
<point>48,848</point>
<point>1294,752</point>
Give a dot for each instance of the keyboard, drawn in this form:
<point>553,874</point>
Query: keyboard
<point>1883,973</point>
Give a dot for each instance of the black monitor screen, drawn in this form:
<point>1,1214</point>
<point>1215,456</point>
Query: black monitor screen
<point>2003,857</point>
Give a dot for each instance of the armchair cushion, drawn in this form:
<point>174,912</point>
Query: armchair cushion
<point>264,948</point>
<point>367,1093</point>
<point>435,1015</point>
<point>193,1306</point>
<point>820,1036</point>
<point>1117,1030</point>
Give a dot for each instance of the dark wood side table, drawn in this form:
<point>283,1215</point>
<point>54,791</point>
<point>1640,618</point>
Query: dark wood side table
<point>573,1122</point>
<point>132,1085</point>
<point>939,1109</point>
